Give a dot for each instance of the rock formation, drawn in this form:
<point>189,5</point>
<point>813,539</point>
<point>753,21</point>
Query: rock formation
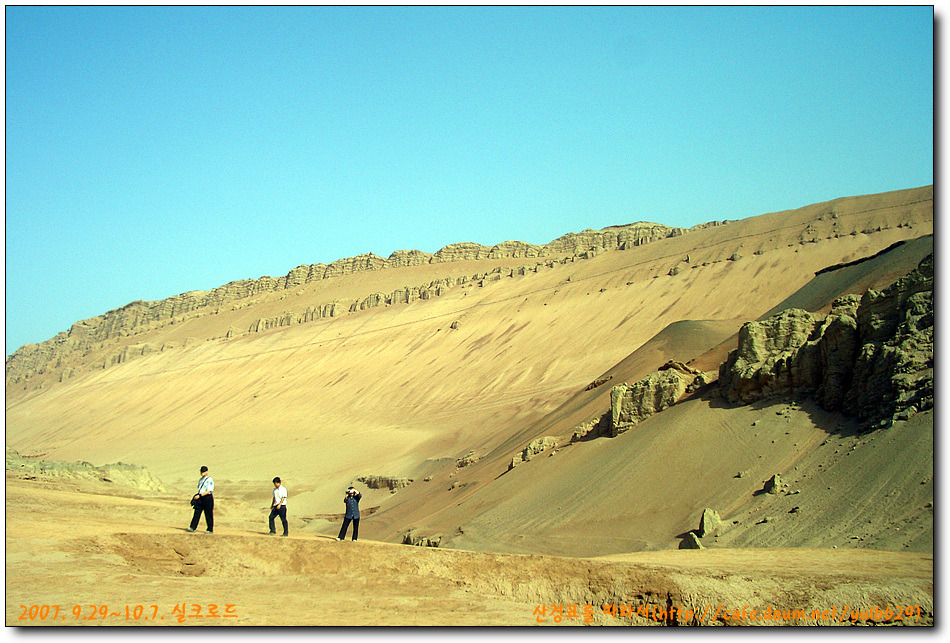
<point>534,448</point>
<point>710,524</point>
<point>401,258</point>
<point>128,475</point>
<point>870,357</point>
<point>466,460</point>
<point>465,251</point>
<point>384,482</point>
<point>691,541</point>
<point>774,485</point>
<point>514,249</point>
<point>413,537</point>
<point>631,404</point>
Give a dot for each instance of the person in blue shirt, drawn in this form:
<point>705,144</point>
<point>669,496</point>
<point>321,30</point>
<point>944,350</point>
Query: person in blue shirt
<point>203,501</point>
<point>352,500</point>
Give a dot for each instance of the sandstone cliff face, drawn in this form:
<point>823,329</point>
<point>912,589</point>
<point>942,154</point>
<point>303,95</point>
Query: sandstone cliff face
<point>870,357</point>
<point>402,258</point>
<point>515,249</point>
<point>461,252</point>
<point>612,238</point>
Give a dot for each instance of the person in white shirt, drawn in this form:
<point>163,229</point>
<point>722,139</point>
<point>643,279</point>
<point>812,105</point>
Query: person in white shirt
<point>203,501</point>
<point>278,506</point>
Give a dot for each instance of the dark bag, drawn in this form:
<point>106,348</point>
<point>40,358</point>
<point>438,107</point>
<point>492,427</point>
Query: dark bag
<point>195,502</point>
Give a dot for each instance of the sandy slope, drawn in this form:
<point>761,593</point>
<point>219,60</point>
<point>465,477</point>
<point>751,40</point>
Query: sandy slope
<point>398,391</point>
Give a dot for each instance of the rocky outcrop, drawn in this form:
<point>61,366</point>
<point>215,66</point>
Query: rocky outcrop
<point>402,258</point>
<point>515,249</point>
<point>691,541</point>
<point>774,485</point>
<point>466,251</point>
<point>630,404</point>
<point>894,366</point>
<point>600,381</point>
<point>534,448</point>
<point>594,428</point>
<point>413,537</point>
<point>710,524</point>
<point>469,459</point>
<point>870,357</point>
<point>358,263</point>
<point>385,482</point>
<point>126,475</point>
<point>612,238</point>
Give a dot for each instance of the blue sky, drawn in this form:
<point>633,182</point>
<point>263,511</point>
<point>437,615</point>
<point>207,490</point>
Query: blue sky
<point>152,151</point>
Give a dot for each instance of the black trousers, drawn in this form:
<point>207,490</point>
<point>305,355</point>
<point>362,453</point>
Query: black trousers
<point>206,505</point>
<point>346,523</point>
<point>278,511</point>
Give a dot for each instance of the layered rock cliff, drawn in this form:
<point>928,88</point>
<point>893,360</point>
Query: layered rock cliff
<point>870,357</point>
<point>53,354</point>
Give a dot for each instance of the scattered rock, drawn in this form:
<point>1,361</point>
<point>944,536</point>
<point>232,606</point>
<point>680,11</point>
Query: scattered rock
<point>598,382</point>
<point>413,537</point>
<point>466,460</point>
<point>691,541</point>
<point>774,485</point>
<point>710,524</point>
<point>534,447</point>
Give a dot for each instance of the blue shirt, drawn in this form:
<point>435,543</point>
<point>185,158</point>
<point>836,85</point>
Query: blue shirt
<point>352,506</point>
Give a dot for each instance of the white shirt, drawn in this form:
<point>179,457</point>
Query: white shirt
<point>205,484</point>
<point>280,497</point>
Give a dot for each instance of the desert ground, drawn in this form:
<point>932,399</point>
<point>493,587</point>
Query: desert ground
<point>423,406</point>
<point>76,544</point>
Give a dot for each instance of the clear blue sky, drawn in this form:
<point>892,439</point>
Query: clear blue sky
<point>153,151</point>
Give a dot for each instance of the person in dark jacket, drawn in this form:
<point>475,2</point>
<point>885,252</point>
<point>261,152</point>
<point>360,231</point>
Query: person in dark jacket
<point>352,500</point>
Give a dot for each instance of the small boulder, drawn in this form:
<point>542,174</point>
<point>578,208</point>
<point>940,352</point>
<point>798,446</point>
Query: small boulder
<point>774,485</point>
<point>710,524</point>
<point>691,541</point>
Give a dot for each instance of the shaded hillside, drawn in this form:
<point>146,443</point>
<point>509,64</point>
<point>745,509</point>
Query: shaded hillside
<point>573,488</point>
<point>855,277</point>
<point>452,387</point>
